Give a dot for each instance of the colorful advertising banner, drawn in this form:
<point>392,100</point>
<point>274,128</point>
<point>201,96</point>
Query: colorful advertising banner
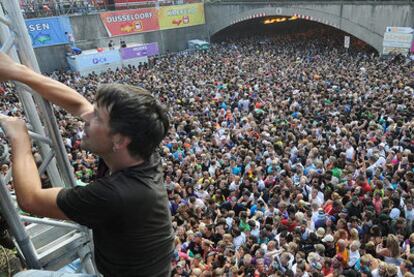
<point>181,16</point>
<point>128,22</point>
<point>48,31</point>
<point>96,59</point>
<point>145,50</point>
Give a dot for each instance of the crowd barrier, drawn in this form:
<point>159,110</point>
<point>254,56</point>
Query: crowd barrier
<point>93,61</point>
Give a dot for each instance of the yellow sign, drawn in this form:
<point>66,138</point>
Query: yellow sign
<point>179,16</point>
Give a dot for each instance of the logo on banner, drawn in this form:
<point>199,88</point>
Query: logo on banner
<point>48,31</point>
<point>184,20</point>
<point>132,27</point>
<point>99,60</point>
<point>42,38</point>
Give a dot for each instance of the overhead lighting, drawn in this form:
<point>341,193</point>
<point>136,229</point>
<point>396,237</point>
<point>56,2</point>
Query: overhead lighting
<point>278,19</point>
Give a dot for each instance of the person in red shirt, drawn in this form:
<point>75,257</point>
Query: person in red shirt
<point>363,183</point>
<point>332,207</point>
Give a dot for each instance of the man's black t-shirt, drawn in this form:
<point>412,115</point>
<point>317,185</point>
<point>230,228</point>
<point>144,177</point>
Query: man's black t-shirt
<point>129,215</point>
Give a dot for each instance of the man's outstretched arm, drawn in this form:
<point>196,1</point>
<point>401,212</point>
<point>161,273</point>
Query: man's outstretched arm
<point>30,195</point>
<point>52,90</point>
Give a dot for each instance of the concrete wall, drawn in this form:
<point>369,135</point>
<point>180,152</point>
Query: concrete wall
<point>90,33</point>
<point>51,58</point>
<point>365,20</point>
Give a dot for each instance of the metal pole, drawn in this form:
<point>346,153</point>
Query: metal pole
<point>29,106</point>
<point>16,34</point>
<point>40,138</point>
<point>51,222</point>
<point>85,255</point>
<point>17,228</point>
<point>28,58</point>
<point>6,204</point>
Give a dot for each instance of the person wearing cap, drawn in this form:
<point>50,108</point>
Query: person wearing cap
<point>320,233</point>
<point>194,247</point>
<point>329,244</point>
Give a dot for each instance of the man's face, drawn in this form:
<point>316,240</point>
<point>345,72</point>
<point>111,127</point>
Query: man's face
<point>97,137</point>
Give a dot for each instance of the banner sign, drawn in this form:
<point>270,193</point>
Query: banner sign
<point>181,16</point>
<point>48,31</point>
<point>145,50</point>
<point>402,40</point>
<point>127,22</point>
<point>405,30</point>
<point>347,40</point>
<point>95,59</point>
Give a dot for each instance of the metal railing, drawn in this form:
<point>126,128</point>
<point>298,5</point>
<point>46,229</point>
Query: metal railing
<point>43,8</point>
<point>46,8</point>
<point>285,1</point>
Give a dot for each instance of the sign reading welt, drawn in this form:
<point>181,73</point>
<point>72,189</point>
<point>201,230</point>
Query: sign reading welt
<point>186,11</point>
<point>179,16</point>
<point>48,31</point>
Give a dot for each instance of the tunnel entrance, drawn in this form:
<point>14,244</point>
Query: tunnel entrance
<point>289,25</point>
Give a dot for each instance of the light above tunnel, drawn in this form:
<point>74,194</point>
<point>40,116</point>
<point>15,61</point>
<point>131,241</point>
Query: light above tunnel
<point>279,20</point>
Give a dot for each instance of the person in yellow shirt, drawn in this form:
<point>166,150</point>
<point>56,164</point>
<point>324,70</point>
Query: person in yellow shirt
<point>218,197</point>
<point>342,250</point>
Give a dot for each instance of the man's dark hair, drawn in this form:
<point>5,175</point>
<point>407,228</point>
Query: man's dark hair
<point>135,113</point>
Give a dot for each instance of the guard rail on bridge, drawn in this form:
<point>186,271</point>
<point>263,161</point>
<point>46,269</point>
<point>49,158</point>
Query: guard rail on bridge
<point>44,8</point>
<point>286,1</point>
<point>33,8</point>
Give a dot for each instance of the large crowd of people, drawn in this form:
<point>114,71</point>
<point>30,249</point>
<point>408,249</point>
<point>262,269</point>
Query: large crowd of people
<point>287,156</point>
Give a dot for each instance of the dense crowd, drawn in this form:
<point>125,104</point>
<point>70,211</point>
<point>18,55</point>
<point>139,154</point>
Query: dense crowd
<point>287,156</point>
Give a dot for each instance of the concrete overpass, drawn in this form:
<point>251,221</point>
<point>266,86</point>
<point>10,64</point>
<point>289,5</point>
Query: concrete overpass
<point>365,20</point>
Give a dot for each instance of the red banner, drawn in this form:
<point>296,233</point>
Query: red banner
<point>127,22</point>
